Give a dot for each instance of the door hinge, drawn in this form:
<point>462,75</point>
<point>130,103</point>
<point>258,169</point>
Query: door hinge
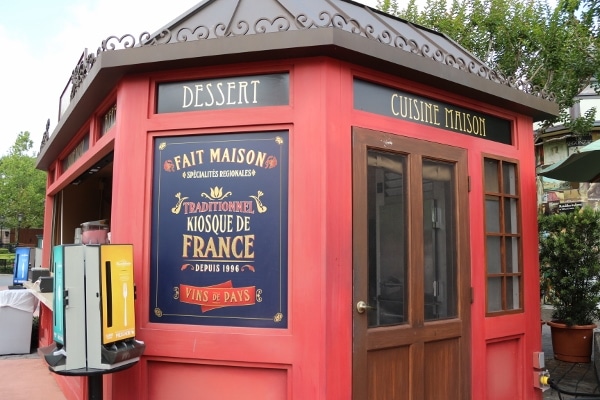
<point>469,183</point>
<point>472,295</point>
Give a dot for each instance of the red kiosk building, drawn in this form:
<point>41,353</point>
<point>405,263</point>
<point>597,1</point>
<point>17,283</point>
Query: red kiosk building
<point>324,202</point>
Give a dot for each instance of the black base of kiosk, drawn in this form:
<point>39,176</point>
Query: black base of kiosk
<point>116,357</point>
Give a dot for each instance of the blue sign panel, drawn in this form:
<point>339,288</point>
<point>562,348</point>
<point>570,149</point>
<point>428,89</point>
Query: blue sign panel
<point>21,267</point>
<point>219,230</point>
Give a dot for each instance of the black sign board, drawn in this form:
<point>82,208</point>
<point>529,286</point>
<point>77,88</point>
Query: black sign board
<point>219,230</point>
<point>579,141</point>
<point>568,207</point>
<point>223,93</point>
<point>390,102</point>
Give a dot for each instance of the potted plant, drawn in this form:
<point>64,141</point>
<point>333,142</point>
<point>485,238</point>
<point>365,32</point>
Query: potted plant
<point>570,263</point>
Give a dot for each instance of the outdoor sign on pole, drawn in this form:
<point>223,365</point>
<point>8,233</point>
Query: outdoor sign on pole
<point>21,268</point>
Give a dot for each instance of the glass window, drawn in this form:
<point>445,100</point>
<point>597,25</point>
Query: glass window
<point>492,211</point>
<point>509,178</point>
<point>494,254</point>
<point>503,236</point>
<point>510,215</point>
<point>439,241</point>
<point>494,291</point>
<point>491,176</point>
<point>109,119</point>
<point>386,203</point>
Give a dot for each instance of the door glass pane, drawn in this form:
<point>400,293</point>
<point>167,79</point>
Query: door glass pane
<point>491,175</point>
<point>510,215</point>
<point>387,269</point>
<point>512,254</point>
<point>509,174</point>
<point>512,293</point>
<point>494,294</point>
<point>494,254</point>
<point>439,240</point>
<point>492,214</point>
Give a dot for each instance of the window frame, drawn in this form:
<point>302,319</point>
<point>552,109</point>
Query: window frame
<point>507,272</point>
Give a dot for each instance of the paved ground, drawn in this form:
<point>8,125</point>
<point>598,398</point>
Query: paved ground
<point>570,377</point>
<point>26,376</point>
<point>27,379</point>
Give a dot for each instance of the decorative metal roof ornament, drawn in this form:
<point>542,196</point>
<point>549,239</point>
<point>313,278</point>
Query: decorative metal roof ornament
<point>440,51</point>
<point>46,135</point>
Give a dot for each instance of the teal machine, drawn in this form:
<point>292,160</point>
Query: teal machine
<point>94,313</point>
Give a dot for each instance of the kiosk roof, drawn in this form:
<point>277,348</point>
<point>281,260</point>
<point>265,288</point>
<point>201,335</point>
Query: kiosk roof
<point>238,31</point>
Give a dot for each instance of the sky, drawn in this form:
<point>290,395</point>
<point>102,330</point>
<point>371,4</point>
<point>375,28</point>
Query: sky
<point>41,42</point>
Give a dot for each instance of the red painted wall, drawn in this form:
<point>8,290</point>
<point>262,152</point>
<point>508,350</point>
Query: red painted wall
<point>312,358</point>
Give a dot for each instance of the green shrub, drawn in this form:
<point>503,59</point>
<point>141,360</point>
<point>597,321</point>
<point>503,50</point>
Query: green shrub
<point>570,263</point>
<point>7,261</point>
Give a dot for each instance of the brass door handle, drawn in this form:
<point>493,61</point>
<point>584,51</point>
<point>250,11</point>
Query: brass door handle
<point>361,307</point>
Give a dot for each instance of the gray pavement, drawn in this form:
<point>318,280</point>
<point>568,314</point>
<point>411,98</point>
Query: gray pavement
<point>26,376</point>
<point>6,280</point>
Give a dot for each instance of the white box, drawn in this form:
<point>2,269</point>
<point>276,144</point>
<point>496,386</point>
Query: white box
<point>16,318</point>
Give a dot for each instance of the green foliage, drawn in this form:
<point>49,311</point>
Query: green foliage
<point>23,186</point>
<point>570,262</point>
<point>555,49</point>
<point>7,261</point>
<point>388,6</point>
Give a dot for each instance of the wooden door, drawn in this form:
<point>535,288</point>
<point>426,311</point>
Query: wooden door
<point>411,269</point>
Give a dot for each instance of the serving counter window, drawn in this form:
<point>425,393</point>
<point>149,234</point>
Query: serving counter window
<point>87,198</point>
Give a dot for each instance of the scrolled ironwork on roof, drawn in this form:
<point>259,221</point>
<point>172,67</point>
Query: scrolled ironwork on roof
<point>384,29</point>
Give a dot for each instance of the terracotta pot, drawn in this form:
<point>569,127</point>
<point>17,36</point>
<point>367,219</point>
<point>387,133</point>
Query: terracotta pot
<point>572,343</point>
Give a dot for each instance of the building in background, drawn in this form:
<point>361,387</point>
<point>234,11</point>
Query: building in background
<point>555,145</point>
